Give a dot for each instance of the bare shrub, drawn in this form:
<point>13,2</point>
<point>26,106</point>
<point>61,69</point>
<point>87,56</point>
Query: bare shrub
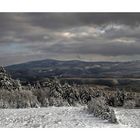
<point>129,104</point>
<point>99,108</point>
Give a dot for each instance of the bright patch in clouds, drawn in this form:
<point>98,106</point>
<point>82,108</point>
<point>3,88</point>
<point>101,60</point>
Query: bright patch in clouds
<point>125,40</point>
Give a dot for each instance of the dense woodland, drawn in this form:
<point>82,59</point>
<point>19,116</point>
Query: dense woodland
<point>52,92</point>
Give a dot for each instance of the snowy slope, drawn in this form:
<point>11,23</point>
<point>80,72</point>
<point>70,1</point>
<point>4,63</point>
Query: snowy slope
<point>63,117</point>
<point>128,117</point>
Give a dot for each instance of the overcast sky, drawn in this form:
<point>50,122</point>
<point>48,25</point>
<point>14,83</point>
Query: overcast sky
<point>68,36</point>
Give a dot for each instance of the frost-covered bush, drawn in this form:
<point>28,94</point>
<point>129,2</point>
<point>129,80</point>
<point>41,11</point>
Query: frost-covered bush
<point>71,94</point>
<point>27,99</point>
<point>85,94</point>
<point>49,96</point>
<point>115,97</point>
<point>57,102</point>
<point>129,104</point>
<point>99,108</point>
<point>42,95</point>
<point>138,102</point>
<point>112,117</point>
<point>17,99</point>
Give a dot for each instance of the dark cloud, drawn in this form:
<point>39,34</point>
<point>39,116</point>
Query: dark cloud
<point>30,36</point>
<point>64,20</point>
<point>96,47</point>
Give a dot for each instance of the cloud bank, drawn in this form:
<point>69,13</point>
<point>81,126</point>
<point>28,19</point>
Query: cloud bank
<point>66,36</point>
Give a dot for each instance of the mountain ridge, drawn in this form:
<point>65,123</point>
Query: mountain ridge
<point>74,68</point>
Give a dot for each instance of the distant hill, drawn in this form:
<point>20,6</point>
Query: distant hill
<point>71,69</point>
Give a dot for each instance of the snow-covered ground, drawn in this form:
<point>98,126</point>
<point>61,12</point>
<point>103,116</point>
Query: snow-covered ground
<point>64,117</point>
<point>128,117</point>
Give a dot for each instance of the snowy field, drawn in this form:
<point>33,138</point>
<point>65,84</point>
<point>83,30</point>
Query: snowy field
<point>66,117</point>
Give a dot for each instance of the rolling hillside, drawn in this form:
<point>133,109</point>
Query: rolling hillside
<point>72,69</point>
